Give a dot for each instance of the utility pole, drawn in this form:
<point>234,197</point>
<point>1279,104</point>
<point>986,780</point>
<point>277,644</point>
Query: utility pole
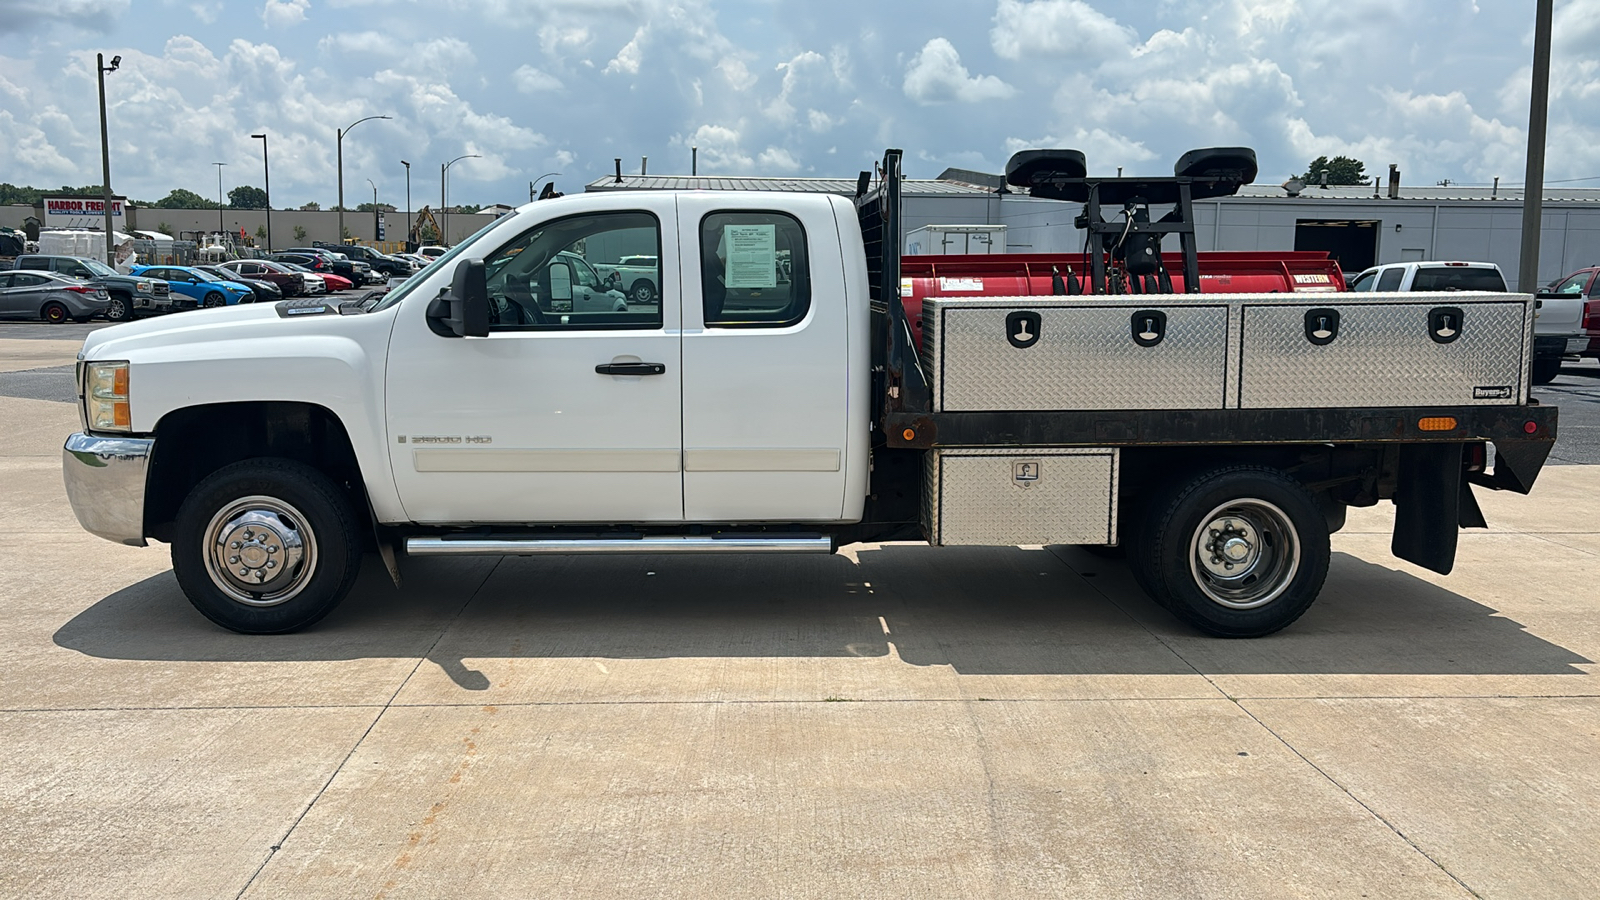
<point>105,151</point>
<point>221,229</point>
<point>1533,184</point>
<point>374,210</point>
<point>408,204</point>
<point>266,174</point>
<point>444,181</point>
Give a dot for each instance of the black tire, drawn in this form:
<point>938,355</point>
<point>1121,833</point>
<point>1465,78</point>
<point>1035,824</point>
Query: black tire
<point>54,313</point>
<point>1267,517</point>
<point>642,292</point>
<point>215,299</point>
<point>288,502</point>
<point>120,309</point>
<point>1546,370</point>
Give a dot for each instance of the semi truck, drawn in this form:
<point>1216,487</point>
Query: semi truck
<point>775,400</point>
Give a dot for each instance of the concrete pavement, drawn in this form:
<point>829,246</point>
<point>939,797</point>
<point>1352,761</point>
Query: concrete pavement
<point>894,720</point>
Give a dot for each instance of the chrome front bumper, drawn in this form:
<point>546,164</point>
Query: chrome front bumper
<point>105,478</point>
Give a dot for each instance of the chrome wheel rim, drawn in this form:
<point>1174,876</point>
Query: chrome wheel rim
<point>214,300</point>
<point>260,551</point>
<point>116,310</point>
<point>1244,553</point>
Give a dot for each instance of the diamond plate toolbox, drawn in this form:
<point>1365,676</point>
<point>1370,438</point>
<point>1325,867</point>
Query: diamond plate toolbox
<point>1047,495</point>
<point>1441,350</point>
<point>1044,353</point>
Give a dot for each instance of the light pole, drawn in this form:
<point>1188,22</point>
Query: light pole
<point>374,211</point>
<point>266,174</point>
<point>408,204</point>
<point>536,181</point>
<point>444,181</point>
<point>340,142</point>
<point>105,149</point>
<point>221,229</point>
<point>1533,184</point>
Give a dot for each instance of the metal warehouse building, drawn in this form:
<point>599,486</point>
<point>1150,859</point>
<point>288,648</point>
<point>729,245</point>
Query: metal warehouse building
<point>1358,228</point>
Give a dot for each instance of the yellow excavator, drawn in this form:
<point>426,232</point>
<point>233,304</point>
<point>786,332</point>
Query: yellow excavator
<point>414,236</point>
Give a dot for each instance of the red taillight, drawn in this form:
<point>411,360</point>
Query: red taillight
<point>80,289</point>
<point>1530,427</point>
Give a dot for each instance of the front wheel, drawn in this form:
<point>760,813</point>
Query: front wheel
<point>1236,552</point>
<point>642,292</point>
<point>266,546</point>
<point>118,309</point>
<point>1546,370</point>
<point>215,299</point>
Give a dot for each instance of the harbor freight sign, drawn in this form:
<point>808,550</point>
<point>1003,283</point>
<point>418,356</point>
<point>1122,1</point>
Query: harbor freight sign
<point>82,212</point>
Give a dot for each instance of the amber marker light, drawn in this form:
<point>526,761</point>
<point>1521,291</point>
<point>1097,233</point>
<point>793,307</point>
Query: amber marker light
<point>909,434</point>
<point>1436,423</point>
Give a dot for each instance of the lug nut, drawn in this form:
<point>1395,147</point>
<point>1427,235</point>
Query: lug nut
<point>234,560</point>
<point>272,564</point>
<point>272,549</point>
<point>234,546</point>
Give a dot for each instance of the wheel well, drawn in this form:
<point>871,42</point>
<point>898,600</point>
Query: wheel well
<point>192,443</point>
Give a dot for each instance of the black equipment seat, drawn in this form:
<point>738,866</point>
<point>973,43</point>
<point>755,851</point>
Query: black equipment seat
<point>1063,175</point>
<point>1028,168</point>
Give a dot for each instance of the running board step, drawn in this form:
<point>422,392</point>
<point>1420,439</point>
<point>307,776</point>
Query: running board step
<point>473,545</point>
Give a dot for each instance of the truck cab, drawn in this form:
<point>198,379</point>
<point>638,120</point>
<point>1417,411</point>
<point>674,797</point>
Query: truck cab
<point>774,400</point>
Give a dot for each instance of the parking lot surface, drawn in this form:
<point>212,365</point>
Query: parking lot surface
<point>892,720</point>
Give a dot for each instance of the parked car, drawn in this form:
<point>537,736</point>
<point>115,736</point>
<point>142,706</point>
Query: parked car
<point>292,284</point>
<point>432,251</point>
<point>566,284</point>
<point>198,288</point>
<point>637,276</point>
<point>343,266</point>
<point>1584,283</point>
<point>50,296</point>
<point>330,281</point>
<point>388,266</point>
<point>128,293</point>
<point>263,291</point>
<point>1558,322</point>
<point>314,282</point>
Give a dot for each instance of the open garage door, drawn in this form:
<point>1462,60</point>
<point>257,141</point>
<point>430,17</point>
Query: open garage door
<point>1353,243</point>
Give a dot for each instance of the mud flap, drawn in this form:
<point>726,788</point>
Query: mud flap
<point>1428,506</point>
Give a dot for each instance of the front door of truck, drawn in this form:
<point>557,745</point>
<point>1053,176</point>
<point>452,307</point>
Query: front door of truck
<point>570,410</point>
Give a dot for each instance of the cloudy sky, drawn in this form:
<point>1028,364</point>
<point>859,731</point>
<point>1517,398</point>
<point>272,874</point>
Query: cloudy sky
<point>773,87</point>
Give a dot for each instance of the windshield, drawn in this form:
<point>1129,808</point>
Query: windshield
<point>205,276</point>
<point>400,293</point>
<point>98,268</point>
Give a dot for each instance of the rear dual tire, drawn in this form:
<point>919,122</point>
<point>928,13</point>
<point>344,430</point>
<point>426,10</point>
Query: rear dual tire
<point>1240,551</point>
<point>1546,370</point>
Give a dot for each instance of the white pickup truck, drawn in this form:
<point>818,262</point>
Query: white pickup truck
<point>762,407</point>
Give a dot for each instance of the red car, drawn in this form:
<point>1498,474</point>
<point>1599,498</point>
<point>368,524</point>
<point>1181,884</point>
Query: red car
<point>289,282</point>
<point>336,282</point>
<point>1585,281</point>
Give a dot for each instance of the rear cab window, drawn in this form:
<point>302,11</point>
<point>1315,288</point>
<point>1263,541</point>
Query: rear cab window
<point>754,268</point>
<point>1390,279</point>
<point>1458,278</point>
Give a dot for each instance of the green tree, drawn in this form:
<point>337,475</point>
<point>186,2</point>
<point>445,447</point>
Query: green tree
<point>246,197</point>
<point>261,232</point>
<point>1341,170</point>
<point>163,227</point>
<point>368,207</point>
<point>313,206</point>
<point>182,199</point>
<point>346,233</point>
<point>300,233</point>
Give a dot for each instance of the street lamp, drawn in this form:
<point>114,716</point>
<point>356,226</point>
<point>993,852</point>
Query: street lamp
<point>444,181</point>
<point>266,174</point>
<point>1533,183</point>
<point>408,204</point>
<point>340,142</point>
<point>105,149</point>
<point>375,235</point>
<point>536,181</point>
<point>221,229</point>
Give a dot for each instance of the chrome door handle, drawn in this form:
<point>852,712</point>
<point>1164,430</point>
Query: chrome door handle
<point>632,368</point>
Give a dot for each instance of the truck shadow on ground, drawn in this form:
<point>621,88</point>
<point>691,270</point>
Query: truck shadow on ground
<point>992,611</point>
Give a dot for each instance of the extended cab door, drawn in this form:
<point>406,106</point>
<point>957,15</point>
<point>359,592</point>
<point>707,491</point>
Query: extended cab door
<point>773,427</point>
<point>565,412</point>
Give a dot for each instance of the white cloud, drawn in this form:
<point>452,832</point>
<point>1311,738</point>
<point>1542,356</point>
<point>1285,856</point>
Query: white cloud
<point>719,149</point>
<point>1056,28</point>
<point>532,81</point>
<point>779,160</point>
<point>936,75</point>
<point>282,13</point>
<point>629,57</point>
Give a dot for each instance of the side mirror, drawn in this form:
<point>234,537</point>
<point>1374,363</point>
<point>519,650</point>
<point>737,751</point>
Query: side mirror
<point>560,281</point>
<point>464,309</point>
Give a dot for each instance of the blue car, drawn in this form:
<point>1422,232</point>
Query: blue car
<point>192,287</point>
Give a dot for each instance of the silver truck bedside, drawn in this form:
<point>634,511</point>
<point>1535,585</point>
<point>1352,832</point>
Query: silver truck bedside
<point>105,479</point>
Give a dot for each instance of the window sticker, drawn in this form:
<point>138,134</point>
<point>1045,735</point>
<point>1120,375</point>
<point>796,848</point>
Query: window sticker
<point>752,256</point>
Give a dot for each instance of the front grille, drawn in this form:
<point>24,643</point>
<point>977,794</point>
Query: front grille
<point>161,290</point>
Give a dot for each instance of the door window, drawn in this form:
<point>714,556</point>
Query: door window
<point>543,280</point>
<point>1573,285</point>
<point>754,270</point>
<point>1458,278</point>
<point>1364,283</point>
<point>1390,279</point>
<point>24,281</point>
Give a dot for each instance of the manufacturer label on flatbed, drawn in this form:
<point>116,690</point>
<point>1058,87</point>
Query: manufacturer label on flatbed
<point>1492,392</point>
<point>961,284</point>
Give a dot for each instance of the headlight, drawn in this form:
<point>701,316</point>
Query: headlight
<point>145,286</point>
<point>106,397</point>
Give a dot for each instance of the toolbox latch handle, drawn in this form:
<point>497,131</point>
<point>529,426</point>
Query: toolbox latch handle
<point>1149,327</point>
<point>1444,324</point>
<point>1322,326</point>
